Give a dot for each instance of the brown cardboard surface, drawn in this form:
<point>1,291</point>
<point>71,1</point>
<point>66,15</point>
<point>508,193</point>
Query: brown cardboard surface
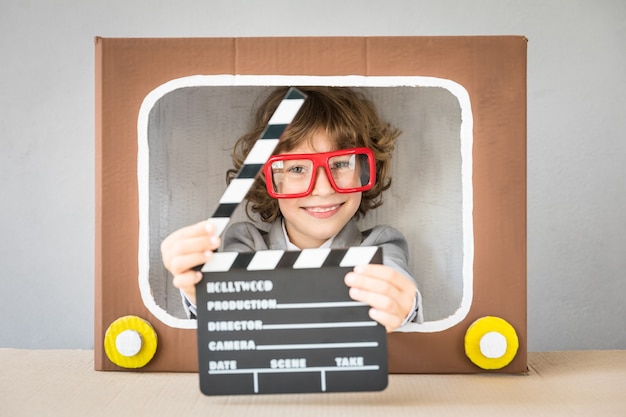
<point>576,383</point>
<point>491,69</point>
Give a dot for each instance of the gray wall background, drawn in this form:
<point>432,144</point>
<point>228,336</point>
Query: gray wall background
<point>576,145</point>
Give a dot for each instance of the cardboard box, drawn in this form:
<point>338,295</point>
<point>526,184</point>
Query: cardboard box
<point>461,103</point>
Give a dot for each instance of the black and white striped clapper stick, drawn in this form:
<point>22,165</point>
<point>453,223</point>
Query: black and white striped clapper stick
<point>305,259</point>
<point>258,155</point>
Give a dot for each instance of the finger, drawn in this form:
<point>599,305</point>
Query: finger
<point>384,289</point>
<point>372,284</point>
<point>187,283</point>
<point>182,264</point>
<point>201,228</point>
<point>400,296</point>
<point>378,301</point>
<point>383,271</point>
<point>192,239</point>
<point>195,244</point>
<point>388,321</point>
<point>387,274</point>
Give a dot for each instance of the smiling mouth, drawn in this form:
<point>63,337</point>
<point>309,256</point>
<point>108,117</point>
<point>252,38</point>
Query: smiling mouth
<point>322,211</point>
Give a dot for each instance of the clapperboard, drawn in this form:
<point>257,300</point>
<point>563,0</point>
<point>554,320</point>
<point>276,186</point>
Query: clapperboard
<point>282,321</point>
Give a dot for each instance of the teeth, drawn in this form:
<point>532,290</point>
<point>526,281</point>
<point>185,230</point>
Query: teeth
<point>322,209</point>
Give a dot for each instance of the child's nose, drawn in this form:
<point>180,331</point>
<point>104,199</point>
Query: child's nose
<point>322,184</point>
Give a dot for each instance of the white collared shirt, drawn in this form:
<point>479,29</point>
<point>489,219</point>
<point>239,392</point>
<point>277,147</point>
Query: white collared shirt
<point>291,246</point>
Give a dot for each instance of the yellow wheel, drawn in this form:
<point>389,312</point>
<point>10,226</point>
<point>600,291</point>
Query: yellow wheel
<point>491,343</point>
<point>130,342</point>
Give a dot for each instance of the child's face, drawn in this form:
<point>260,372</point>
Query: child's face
<point>313,219</point>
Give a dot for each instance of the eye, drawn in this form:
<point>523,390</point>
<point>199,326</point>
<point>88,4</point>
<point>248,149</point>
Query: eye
<point>345,163</point>
<point>339,165</point>
<point>297,169</point>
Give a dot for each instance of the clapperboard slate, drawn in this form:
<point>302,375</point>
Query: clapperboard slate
<point>282,322</point>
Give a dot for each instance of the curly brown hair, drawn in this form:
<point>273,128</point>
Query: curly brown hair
<point>347,117</point>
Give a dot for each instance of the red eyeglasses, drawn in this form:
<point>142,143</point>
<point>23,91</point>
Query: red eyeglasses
<point>294,175</point>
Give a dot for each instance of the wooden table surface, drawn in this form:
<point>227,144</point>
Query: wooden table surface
<point>63,383</point>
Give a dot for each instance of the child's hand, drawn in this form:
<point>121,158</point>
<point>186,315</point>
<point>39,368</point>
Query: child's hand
<point>186,248</point>
<point>388,292</point>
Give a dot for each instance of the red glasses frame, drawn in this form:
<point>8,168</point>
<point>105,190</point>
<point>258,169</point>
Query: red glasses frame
<point>320,160</point>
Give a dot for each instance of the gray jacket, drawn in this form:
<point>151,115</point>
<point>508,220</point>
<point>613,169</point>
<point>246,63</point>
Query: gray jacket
<point>244,237</point>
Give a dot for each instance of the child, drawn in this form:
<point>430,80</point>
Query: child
<point>330,167</point>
